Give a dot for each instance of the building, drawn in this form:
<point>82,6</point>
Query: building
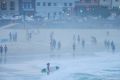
<point>116,3</point>
<point>86,7</point>
<point>9,7</point>
<point>27,7</point>
<point>105,3</point>
<point>53,9</point>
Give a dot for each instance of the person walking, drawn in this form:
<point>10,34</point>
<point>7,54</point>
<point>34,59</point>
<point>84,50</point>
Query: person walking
<point>113,46</point>
<point>10,36</point>
<point>74,48</point>
<point>78,38</point>
<point>5,49</point>
<point>83,43</point>
<point>48,68</point>
<point>59,45</point>
<point>1,50</point>
<point>1,53</point>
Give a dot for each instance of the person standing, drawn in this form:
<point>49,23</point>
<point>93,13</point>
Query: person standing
<point>59,45</point>
<point>83,43</point>
<point>5,49</point>
<point>1,53</point>
<point>113,46</point>
<point>1,50</point>
<point>10,36</point>
<point>48,68</point>
<point>54,43</point>
<point>15,36</point>
<point>78,39</point>
<point>74,48</point>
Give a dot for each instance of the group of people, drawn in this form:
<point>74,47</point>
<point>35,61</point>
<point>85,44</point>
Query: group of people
<point>77,40</point>
<point>110,45</point>
<point>13,36</point>
<point>3,52</point>
<point>54,44</point>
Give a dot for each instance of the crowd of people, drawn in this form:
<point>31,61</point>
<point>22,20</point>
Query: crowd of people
<point>54,44</point>
<point>79,41</point>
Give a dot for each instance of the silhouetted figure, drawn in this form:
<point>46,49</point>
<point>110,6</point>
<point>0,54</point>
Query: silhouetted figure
<point>51,45</point>
<point>15,36</point>
<point>51,36</point>
<point>94,40</point>
<point>10,36</point>
<point>1,50</point>
<point>107,44</point>
<point>74,48</point>
<point>29,35</point>
<point>48,68</point>
<point>59,45</point>
<point>83,43</point>
<point>113,46</point>
<point>5,49</point>
<point>51,40</point>
<point>1,53</point>
<point>54,43</point>
<point>74,39</point>
<point>78,39</point>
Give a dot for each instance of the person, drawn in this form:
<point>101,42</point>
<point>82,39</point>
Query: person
<point>107,44</point>
<point>59,45</point>
<point>54,43</point>
<point>83,43</point>
<point>48,68</point>
<point>74,47</point>
<point>113,46</point>
<point>15,36</point>
<point>93,40</point>
<point>10,36</point>
<point>1,50</point>
<point>5,49</point>
<point>74,39</point>
<point>51,35</point>
<point>78,39</point>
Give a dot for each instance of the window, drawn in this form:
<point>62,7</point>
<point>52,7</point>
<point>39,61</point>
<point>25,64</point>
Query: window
<point>104,0</point>
<point>49,4</point>
<point>87,1</point>
<point>55,4</point>
<point>12,5</point>
<point>116,0</point>
<point>81,0</point>
<point>65,4</point>
<point>95,1</point>
<point>44,4</point>
<point>70,4</point>
<point>38,3</point>
<point>27,5</point>
<point>4,5</point>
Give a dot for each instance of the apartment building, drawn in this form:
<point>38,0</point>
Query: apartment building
<point>53,9</point>
<point>116,3</point>
<point>9,7</point>
<point>27,7</point>
<point>85,7</point>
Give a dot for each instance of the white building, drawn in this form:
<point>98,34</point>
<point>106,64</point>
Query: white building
<point>54,9</point>
<point>116,3</point>
<point>105,3</point>
<point>9,7</point>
